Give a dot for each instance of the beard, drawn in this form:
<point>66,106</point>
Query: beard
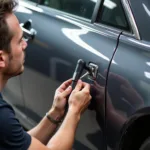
<point>12,72</point>
<point>14,67</point>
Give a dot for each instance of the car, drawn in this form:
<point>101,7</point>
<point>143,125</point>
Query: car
<point>113,38</point>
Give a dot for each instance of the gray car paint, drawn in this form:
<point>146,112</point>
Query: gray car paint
<point>128,85</point>
<point>141,12</point>
<point>51,58</point>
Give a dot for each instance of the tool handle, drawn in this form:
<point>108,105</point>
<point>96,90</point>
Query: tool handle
<point>76,76</point>
<point>77,73</point>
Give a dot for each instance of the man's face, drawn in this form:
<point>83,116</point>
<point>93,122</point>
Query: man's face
<point>15,65</point>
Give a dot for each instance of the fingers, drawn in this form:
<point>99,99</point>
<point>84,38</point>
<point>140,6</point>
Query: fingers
<point>67,91</point>
<point>86,87</point>
<point>78,86</point>
<point>82,86</point>
<point>65,84</point>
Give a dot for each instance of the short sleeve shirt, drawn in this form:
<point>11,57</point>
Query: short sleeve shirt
<point>12,135</point>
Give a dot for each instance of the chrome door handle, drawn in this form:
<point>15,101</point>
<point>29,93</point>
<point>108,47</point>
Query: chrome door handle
<point>29,33</point>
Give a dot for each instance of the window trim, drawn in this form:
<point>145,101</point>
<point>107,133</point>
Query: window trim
<point>127,10</point>
<point>77,16</point>
<point>131,19</point>
<point>100,21</point>
<point>96,10</point>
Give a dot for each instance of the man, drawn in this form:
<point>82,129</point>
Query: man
<point>12,136</point>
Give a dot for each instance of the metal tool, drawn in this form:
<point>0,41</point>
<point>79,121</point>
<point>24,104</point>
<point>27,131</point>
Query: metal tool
<point>76,76</point>
<point>92,70</point>
<point>84,75</point>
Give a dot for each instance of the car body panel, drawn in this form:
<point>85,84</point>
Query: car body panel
<point>122,87</point>
<point>142,17</point>
<point>51,59</point>
<point>128,83</point>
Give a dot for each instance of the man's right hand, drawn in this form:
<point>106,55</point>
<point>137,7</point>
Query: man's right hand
<point>80,98</point>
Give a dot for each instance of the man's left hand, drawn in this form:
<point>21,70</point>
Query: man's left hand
<point>60,98</point>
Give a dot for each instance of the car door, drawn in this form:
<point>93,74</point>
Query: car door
<point>12,93</point>
<point>128,86</point>
<point>66,31</point>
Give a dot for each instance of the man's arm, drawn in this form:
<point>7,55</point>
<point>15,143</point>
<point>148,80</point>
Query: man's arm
<point>64,138</point>
<point>45,129</point>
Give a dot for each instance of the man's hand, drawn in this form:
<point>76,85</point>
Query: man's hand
<point>60,98</point>
<point>78,102</point>
<point>80,98</point>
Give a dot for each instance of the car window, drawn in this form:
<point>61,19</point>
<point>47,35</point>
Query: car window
<point>35,1</point>
<point>82,8</point>
<point>113,14</point>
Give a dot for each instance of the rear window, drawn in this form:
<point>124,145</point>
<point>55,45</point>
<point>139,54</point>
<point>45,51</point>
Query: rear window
<point>112,14</point>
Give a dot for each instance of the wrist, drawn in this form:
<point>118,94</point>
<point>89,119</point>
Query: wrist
<point>74,112</point>
<point>56,115</point>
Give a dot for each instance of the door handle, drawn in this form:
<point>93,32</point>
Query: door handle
<point>28,31</point>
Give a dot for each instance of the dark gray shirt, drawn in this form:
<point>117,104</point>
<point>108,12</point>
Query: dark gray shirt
<point>12,135</point>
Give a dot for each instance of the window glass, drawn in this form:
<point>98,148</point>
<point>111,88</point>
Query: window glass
<point>35,1</point>
<point>113,14</point>
<point>83,8</point>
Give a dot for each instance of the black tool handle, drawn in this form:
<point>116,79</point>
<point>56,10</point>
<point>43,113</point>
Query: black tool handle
<point>76,76</point>
<point>77,73</point>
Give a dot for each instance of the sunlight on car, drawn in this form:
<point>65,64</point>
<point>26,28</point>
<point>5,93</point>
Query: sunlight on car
<point>24,10</point>
<point>32,7</point>
<point>146,9</point>
<point>148,63</point>
<point>147,74</point>
<point>109,4</point>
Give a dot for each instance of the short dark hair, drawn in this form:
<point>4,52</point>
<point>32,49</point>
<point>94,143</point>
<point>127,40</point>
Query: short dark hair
<point>6,7</point>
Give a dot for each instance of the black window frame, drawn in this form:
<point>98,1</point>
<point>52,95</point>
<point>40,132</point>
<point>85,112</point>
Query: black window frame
<point>40,2</point>
<point>98,19</point>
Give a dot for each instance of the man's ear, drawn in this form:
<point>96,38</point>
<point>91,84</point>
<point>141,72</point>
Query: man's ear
<point>2,59</point>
